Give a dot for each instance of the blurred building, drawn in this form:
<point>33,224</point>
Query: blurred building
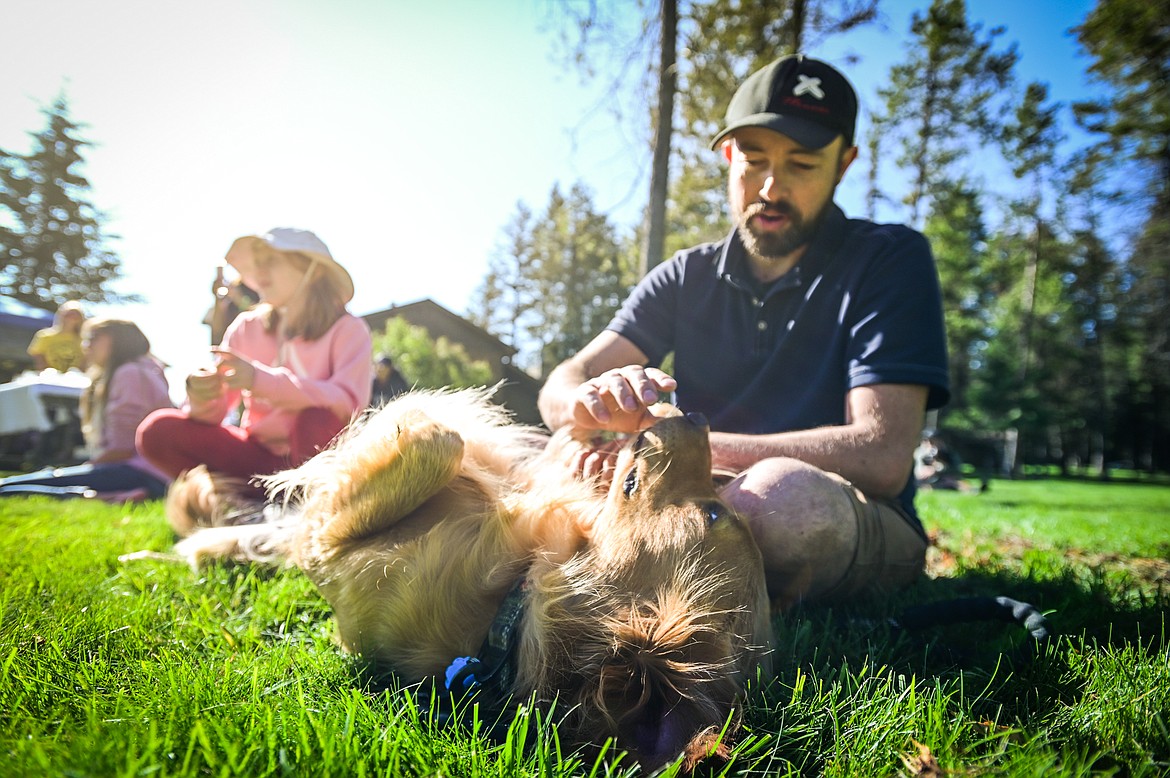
<point>18,323</point>
<point>518,393</point>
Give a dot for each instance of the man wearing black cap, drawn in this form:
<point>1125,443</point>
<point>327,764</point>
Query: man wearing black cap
<point>813,343</point>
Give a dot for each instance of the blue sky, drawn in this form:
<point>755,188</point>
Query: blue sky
<point>403,133</point>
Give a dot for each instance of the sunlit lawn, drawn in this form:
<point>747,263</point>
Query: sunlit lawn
<point>149,669</point>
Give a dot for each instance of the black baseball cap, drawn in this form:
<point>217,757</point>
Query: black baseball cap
<point>808,100</point>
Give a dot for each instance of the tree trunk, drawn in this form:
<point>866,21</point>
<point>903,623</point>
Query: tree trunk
<point>655,246</point>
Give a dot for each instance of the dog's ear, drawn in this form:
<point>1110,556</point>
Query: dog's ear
<point>664,681</point>
<point>667,713</point>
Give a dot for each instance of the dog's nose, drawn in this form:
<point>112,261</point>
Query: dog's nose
<point>698,419</point>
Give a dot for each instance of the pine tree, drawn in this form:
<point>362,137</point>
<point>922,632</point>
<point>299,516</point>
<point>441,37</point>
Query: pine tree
<point>556,280</point>
<point>504,301</point>
<point>51,235</point>
<point>1129,41</point>
<point>583,274</point>
<point>958,236</point>
<point>942,97</point>
<point>1094,292</point>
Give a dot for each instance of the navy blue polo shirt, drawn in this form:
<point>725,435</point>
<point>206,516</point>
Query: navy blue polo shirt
<point>861,307</point>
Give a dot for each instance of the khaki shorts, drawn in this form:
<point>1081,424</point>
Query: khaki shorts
<point>890,553</point>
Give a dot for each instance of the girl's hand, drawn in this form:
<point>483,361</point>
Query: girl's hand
<point>204,385</point>
<point>237,371</point>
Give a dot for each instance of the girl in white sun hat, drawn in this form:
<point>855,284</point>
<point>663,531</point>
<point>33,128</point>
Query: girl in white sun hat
<point>300,363</point>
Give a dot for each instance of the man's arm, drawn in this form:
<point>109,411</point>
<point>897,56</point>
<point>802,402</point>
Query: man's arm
<point>873,449</point>
<point>604,387</point>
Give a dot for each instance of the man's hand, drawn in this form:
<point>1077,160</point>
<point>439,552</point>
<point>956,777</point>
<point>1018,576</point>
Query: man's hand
<point>237,371</point>
<point>619,400</point>
<point>593,453</point>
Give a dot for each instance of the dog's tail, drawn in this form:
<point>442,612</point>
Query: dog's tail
<point>199,499</point>
<point>265,543</point>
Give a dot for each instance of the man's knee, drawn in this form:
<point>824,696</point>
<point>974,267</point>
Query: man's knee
<point>802,521</point>
<point>822,539</point>
<point>781,484</point>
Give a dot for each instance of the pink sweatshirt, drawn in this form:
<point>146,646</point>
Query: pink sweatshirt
<point>335,372</point>
<point>136,388</point>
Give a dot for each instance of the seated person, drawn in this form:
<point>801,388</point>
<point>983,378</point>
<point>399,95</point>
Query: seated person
<point>231,298</point>
<point>298,361</point>
<point>388,382</point>
<point>59,346</point>
<point>812,343</point>
<point>126,384</point>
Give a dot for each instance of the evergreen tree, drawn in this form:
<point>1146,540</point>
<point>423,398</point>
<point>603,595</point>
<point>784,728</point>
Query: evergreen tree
<point>942,97</point>
<point>506,297</point>
<point>582,273</point>
<point>958,237</point>
<point>1031,140</point>
<point>51,239</point>
<point>1129,41</point>
<point>557,280</point>
<point>1094,292</point>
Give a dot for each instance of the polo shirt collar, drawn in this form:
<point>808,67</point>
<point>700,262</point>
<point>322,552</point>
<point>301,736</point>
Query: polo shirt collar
<point>731,265</point>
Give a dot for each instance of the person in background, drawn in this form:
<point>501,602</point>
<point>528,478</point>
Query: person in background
<point>59,347</point>
<point>388,382</point>
<point>231,299</point>
<point>126,384</point>
<point>299,361</point>
<point>812,343</point>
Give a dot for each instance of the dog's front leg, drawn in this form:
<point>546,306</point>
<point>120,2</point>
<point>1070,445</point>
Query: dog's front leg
<point>380,477</point>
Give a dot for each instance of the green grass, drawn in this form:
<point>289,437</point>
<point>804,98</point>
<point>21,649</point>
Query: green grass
<point>147,669</point>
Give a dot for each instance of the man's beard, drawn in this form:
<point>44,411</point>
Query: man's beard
<point>776,245</point>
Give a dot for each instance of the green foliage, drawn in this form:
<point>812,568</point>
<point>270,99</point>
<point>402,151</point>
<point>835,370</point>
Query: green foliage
<point>556,281</point>
<point>51,244</point>
<point>132,668</point>
<point>942,97</point>
<point>428,363</point>
<point>1129,41</point>
<point>958,237</point>
<point>507,297</point>
<point>583,273</point>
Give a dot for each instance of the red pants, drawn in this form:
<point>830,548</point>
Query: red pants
<point>173,442</point>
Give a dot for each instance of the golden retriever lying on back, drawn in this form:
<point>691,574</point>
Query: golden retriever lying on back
<point>644,609</point>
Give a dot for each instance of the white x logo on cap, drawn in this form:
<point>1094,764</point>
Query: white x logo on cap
<point>809,85</point>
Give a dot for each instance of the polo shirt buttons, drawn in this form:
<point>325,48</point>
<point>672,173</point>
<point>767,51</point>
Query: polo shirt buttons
<point>761,325</point>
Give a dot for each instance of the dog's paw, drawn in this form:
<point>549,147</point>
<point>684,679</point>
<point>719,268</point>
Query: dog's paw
<point>418,431</point>
<point>377,479</point>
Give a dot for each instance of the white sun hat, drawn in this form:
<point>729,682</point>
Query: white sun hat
<point>304,242</point>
